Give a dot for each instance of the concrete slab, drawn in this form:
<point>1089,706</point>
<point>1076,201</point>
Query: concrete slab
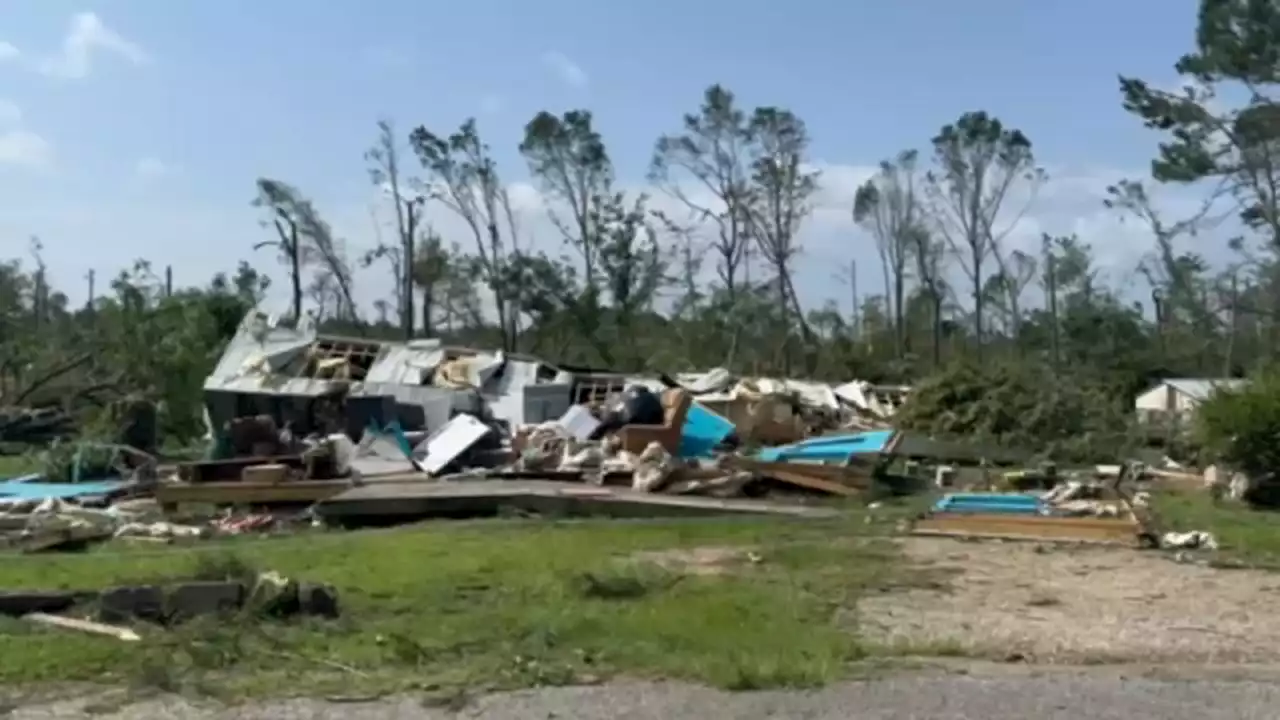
<point>475,498</point>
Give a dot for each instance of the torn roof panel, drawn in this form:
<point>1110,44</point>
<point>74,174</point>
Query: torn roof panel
<point>257,338</point>
<point>406,364</point>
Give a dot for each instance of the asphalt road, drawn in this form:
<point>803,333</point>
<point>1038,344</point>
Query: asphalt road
<point>1101,694</point>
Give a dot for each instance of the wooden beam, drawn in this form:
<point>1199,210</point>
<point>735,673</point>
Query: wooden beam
<point>1030,527</point>
<point>244,493</point>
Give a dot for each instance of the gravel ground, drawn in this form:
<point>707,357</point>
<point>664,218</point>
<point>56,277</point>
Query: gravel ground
<point>977,696</point>
<point>1080,605</point>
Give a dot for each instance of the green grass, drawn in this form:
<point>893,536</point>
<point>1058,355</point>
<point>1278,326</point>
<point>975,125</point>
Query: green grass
<point>16,465</point>
<point>1245,536</point>
<point>493,604</point>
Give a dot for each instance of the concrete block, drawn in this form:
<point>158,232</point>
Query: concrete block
<point>125,603</point>
<point>20,602</point>
<point>193,599</point>
<point>318,600</point>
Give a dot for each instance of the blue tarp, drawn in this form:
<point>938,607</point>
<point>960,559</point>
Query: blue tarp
<point>395,433</point>
<point>832,448</point>
<point>29,488</point>
<point>702,431</point>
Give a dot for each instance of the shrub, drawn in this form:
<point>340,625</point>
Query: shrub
<point>1240,426</point>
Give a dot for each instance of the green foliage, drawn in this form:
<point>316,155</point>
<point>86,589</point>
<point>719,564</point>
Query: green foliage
<point>66,462</point>
<point>1240,426</point>
<point>144,341</point>
<point>1022,406</point>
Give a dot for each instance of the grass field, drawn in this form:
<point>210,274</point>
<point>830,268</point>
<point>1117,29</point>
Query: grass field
<point>738,604</point>
<point>1246,537</point>
<point>462,605</point>
<point>15,465</point>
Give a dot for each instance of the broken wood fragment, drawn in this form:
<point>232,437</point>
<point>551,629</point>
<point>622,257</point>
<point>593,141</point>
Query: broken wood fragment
<point>87,626</point>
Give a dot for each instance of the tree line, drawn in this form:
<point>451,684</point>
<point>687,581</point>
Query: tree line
<point>707,277</point>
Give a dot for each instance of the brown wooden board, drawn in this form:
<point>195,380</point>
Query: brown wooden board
<point>243,493</point>
<point>841,480</point>
<point>1031,527</point>
<point>481,497</point>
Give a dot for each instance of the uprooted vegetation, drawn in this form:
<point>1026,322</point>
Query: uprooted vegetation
<point>1023,406</point>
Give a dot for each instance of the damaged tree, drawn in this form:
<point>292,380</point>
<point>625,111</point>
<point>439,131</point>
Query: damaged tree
<point>1176,273</point>
<point>714,152</point>
<point>889,207</point>
<point>303,234</point>
<point>617,248</point>
<point>930,256</point>
<point>271,196</point>
<point>782,188</point>
<point>1234,148</point>
<point>464,177</point>
<point>979,161</point>
<point>384,157</point>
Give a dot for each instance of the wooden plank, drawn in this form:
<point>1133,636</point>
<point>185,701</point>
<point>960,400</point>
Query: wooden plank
<point>841,480</point>
<point>477,497</point>
<point>1038,527</point>
<point>1019,538</point>
<point>243,493</point>
<point>68,537</point>
<point>87,626</point>
<point>213,471</point>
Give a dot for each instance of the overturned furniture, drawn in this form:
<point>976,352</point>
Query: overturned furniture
<point>675,408</point>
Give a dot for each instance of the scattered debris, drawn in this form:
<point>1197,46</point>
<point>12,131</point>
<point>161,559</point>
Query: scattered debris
<point>308,429</point>
<point>87,626</point>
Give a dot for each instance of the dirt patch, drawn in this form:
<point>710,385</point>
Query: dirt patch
<point>698,560</point>
<point>1047,603</point>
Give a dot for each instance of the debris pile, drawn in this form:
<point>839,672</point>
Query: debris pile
<point>121,611</point>
<point>325,430</point>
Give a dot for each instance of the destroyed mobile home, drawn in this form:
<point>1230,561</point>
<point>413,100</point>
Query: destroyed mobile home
<point>358,432</point>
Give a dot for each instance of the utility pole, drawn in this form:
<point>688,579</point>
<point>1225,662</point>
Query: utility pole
<point>168,280</point>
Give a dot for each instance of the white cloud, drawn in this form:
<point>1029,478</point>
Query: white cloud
<point>8,51</point>
<point>25,149</point>
<point>567,70</point>
<point>149,168</point>
<point>87,38</point>
<point>10,114</point>
<point>20,147</point>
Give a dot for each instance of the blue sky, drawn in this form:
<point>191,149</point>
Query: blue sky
<point>136,128</point>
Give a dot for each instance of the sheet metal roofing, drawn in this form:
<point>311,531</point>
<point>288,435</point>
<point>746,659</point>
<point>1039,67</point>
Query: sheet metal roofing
<point>1200,389</point>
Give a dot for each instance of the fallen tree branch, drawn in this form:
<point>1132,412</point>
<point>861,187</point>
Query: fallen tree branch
<point>50,376</point>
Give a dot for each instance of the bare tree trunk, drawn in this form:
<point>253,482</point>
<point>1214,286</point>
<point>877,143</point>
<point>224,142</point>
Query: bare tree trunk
<point>978,304</point>
<point>295,272</point>
<point>936,296</point>
<point>1055,327</point>
<point>428,309</point>
<point>409,228</point>
<point>899,315</point>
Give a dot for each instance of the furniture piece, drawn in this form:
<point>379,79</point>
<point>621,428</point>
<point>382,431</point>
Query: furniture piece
<point>675,405</point>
